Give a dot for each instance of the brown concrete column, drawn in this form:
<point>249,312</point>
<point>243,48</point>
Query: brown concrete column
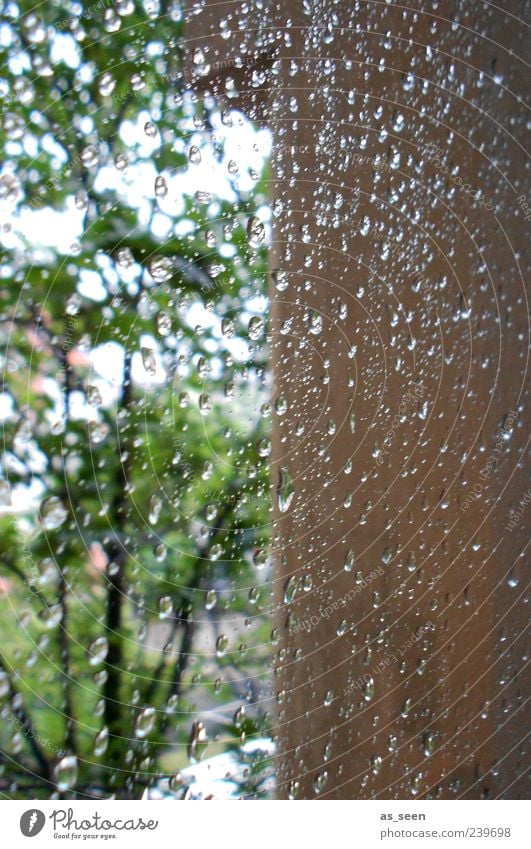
<point>399,330</point>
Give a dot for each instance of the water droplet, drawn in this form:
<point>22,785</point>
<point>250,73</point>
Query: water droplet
<point>161,187</point>
<point>406,707</point>
<point>416,784</point>
<point>52,616</point>
<point>205,403</point>
<point>376,764</point>
<point>4,684</point>
<point>165,607</point>
<point>160,268</point>
<point>154,508</point>
<point>290,589</point>
<point>211,599</point>
<point>215,552</point>
<point>392,743</point>
<point>255,327</point>
<point>194,155</point>
<point>98,651</point>
<point>106,84</point>
<point>65,773</point>
<point>227,327</point>
<point>145,723</point>
<point>368,689</point>
<point>428,743</point>
<point>320,781</point>
<point>121,162</point>
<point>280,280</point>
<point>315,322</point>
<point>222,643</point>
<point>264,447</point>
<point>89,155</point>
<point>163,324</point>
<point>197,742</point>
<point>387,556</point>
<point>177,782</point>
<point>255,232</point>
<point>200,63</point>
<point>211,511</point>
<point>53,513</point>
<point>94,396</point>
<point>149,361</point>
<point>101,742</point>
<point>342,628</point>
<point>285,489</point>
<point>260,558</point>
<point>349,560</point>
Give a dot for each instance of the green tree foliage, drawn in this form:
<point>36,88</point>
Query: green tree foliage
<point>135,421</point>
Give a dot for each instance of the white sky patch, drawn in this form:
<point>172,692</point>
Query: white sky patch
<point>64,49</point>
<point>6,406</point>
<point>184,226</point>
<point>258,304</point>
<point>139,373</point>
<point>18,63</point>
<point>6,35</point>
<point>207,176</point>
<point>79,409</point>
<point>108,360</point>
<point>51,228</point>
<point>226,250</point>
<point>198,315</point>
<point>238,348</point>
<point>242,144</point>
<point>62,229</point>
<point>91,285</point>
<point>161,225</point>
<point>24,499</point>
<point>49,144</point>
<point>134,135</point>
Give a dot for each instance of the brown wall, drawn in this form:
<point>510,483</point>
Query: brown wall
<point>418,287</point>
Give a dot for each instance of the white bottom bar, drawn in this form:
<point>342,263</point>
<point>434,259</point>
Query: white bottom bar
<point>349,824</point>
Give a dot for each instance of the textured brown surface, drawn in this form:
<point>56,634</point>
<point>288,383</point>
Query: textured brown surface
<point>454,611</point>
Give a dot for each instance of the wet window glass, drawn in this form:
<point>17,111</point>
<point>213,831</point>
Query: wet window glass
<point>263,338</point>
